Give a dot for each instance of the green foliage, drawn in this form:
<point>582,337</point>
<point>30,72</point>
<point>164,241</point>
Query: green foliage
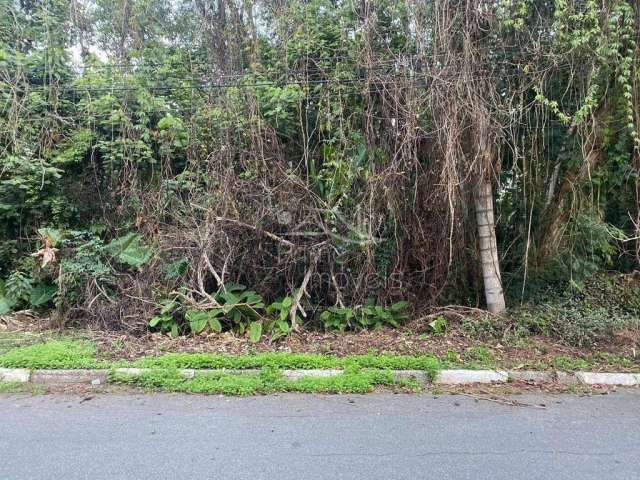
<point>20,291</point>
<point>201,319</point>
<point>604,305</point>
<point>268,381</point>
<point>128,250</point>
<point>427,363</point>
<point>479,356</point>
<point>165,320</point>
<point>278,324</point>
<point>6,304</point>
<point>53,354</point>
<point>42,294</point>
<point>12,387</point>
<point>18,287</point>
<point>325,106</point>
<point>238,309</point>
<point>176,269</point>
<point>366,316</point>
<point>438,326</point>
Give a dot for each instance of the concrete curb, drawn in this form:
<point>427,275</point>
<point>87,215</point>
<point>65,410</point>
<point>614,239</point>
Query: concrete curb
<point>445,377</point>
<point>56,377</point>
<point>21,375</point>
<point>462,377</point>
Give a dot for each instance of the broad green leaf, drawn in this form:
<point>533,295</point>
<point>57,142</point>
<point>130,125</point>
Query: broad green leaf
<point>176,269</point>
<point>174,330</point>
<point>230,298</point>
<point>197,319</point>
<point>255,331</point>
<point>128,250</point>
<point>155,321</point>
<point>215,325</point>
<point>168,306</point>
<point>234,287</point>
<point>42,294</point>
<point>283,326</point>
<point>397,307</point>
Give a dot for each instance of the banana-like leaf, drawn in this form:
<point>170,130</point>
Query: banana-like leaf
<point>255,331</point>
<point>129,251</point>
<point>42,294</point>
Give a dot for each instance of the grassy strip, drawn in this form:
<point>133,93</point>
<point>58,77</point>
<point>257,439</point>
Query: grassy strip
<point>56,354</point>
<point>427,363</point>
<point>268,381</point>
<point>60,354</point>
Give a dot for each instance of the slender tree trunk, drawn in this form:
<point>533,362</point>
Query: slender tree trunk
<point>488,247</point>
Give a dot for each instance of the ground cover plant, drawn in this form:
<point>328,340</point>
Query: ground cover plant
<point>268,381</point>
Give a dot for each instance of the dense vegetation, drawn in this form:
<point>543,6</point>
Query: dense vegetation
<point>252,165</point>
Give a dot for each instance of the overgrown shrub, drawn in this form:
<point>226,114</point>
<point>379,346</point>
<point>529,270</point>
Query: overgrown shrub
<point>607,304</point>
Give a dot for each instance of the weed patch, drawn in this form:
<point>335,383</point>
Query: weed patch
<point>268,381</point>
<point>585,316</point>
<point>427,363</point>
<point>54,354</point>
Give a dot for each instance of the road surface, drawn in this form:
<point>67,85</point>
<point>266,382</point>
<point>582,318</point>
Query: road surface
<point>305,437</point>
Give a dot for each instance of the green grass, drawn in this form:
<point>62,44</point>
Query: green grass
<point>268,381</point>
<point>427,363</point>
<point>479,357</point>
<point>56,354</point>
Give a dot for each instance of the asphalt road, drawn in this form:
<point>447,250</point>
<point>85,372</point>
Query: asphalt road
<point>318,437</point>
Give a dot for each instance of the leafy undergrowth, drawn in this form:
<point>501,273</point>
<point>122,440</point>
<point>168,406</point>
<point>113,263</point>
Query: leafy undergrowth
<point>269,380</point>
<point>603,311</point>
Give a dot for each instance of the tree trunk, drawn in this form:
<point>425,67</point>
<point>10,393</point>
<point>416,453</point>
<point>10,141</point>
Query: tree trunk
<point>488,247</point>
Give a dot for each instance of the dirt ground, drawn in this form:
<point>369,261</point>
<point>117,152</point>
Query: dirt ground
<point>455,346</point>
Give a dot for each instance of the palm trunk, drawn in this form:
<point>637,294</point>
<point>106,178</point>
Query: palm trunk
<point>488,248</point>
